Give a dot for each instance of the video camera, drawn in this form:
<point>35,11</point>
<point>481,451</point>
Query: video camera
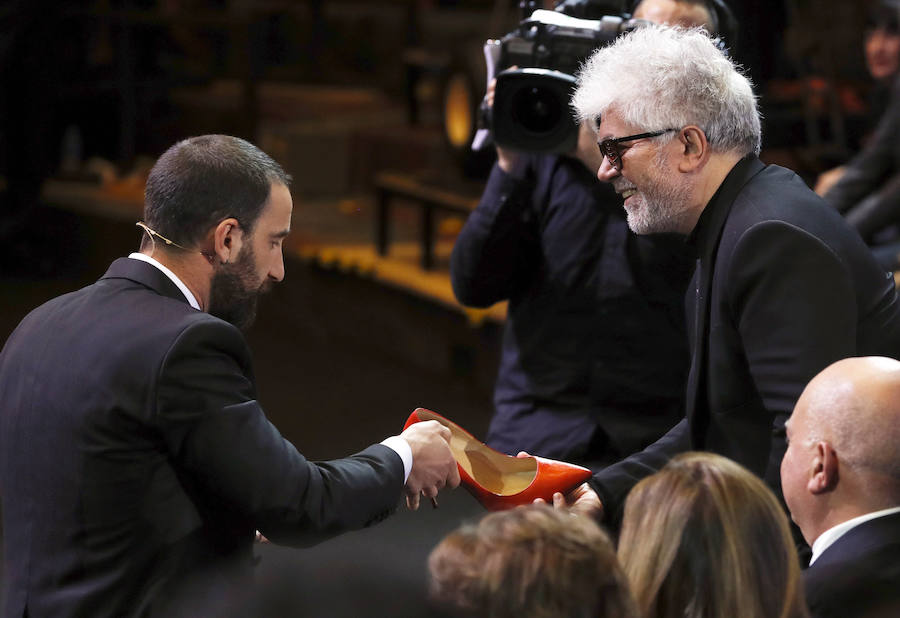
<point>531,110</point>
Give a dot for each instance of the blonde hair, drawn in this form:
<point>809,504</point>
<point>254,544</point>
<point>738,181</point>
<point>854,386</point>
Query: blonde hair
<point>706,538</point>
<point>530,562</point>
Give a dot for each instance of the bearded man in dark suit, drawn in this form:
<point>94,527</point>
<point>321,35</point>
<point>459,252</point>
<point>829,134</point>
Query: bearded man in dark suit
<point>135,460</point>
<point>841,481</point>
<point>782,286</point>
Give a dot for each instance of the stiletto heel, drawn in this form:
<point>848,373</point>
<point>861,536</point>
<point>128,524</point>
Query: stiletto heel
<point>499,481</point>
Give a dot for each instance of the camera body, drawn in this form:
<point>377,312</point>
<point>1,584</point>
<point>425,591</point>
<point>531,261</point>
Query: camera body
<point>531,109</point>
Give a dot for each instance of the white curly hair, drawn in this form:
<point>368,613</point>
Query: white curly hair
<point>657,77</point>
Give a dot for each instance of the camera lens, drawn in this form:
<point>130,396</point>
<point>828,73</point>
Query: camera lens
<point>536,109</point>
<point>531,111</point>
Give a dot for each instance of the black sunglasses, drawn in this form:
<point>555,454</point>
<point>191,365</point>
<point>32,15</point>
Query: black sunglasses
<point>609,147</point>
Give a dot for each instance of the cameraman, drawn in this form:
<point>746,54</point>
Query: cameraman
<point>594,357</point>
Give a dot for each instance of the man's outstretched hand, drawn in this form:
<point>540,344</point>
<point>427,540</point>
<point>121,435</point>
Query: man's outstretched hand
<point>582,500</point>
<point>433,464</point>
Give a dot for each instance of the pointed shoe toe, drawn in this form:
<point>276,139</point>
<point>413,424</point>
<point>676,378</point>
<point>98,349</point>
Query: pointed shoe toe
<point>499,481</point>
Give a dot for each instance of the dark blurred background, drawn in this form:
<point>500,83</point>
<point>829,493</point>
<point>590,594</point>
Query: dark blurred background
<point>341,93</point>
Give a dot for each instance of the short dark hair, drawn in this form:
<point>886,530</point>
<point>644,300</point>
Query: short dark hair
<point>883,15</point>
<point>202,180</point>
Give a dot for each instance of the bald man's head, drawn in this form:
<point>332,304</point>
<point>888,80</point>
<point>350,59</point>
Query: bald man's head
<point>842,451</point>
<point>855,404</point>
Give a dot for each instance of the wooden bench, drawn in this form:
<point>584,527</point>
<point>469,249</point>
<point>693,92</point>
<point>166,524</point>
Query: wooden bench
<point>429,196</point>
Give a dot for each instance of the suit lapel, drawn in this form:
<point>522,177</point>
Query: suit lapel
<point>145,274</point>
<point>706,239</point>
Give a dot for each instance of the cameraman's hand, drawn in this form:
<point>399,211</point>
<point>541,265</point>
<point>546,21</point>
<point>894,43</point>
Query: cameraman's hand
<point>433,463</point>
<point>506,158</point>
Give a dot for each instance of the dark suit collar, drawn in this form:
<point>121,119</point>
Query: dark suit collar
<point>704,238</point>
<point>145,274</point>
<point>862,540</point>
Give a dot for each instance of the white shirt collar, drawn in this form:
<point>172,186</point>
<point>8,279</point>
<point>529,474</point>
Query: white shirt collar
<point>827,538</point>
<point>168,273</point>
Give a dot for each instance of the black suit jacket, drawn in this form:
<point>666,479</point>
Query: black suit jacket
<point>782,288</point>
<point>859,574</point>
<point>134,456</point>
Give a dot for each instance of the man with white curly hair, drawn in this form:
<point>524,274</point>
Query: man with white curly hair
<point>782,286</point>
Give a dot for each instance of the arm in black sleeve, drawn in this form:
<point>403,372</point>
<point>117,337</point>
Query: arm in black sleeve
<point>219,437</point>
<point>496,247</point>
<point>612,484</point>
<point>877,210</point>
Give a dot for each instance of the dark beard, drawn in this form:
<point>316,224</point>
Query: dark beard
<point>234,292</point>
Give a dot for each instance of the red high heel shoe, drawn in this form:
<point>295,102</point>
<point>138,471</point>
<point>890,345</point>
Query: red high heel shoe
<point>499,481</point>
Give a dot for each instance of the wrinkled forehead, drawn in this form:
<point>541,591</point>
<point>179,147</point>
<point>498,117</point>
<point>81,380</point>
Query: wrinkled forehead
<point>610,124</point>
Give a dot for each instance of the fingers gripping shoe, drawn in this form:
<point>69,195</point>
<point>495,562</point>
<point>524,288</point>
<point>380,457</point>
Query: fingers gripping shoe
<point>499,481</point>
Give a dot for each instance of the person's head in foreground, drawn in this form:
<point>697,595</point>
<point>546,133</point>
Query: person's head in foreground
<point>529,562</point>
<point>219,208</point>
<point>704,537</point>
<point>842,459</point>
<point>673,115</point>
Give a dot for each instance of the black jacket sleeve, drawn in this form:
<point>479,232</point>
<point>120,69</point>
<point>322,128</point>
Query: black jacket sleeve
<point>612,484</point>
<point>498,245</point>
<point>218,434</point>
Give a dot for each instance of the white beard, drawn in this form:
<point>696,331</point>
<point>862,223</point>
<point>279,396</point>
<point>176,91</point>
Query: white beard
<point>662,206</point>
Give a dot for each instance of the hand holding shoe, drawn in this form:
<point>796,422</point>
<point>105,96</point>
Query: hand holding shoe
<point>582,500</point>
<point>433,463</point>
<point>497,480</point>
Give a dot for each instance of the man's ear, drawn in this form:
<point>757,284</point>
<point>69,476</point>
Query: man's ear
<point>824,476</point>
<point>227,238</point>
<point>694,148</point>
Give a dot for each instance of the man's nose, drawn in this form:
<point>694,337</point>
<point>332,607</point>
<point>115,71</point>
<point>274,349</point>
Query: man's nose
<point>607,173</point>
<point>277,270</point>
